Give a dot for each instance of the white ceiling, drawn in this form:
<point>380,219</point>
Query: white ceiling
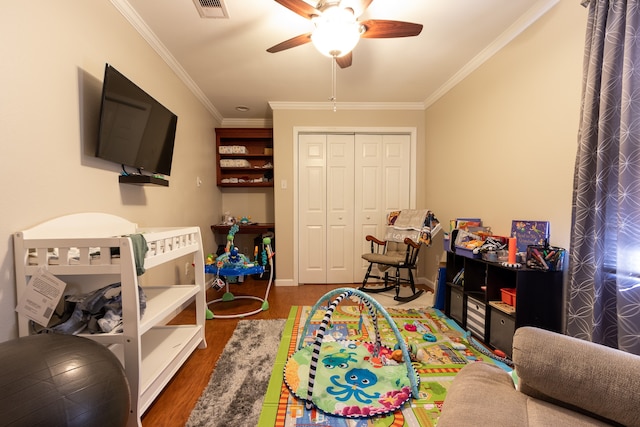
<point>226,64</point>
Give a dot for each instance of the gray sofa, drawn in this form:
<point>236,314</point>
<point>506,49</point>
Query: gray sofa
<point>562,381</point>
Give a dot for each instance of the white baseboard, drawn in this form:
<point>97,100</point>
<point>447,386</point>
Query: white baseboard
<point>285,282</point>
<point>426,282</point>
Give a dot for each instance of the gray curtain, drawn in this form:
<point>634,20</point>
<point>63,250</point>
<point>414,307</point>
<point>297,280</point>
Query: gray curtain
<point>604,270</point>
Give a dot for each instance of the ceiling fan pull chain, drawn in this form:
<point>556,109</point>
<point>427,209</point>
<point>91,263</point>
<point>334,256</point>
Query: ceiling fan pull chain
<point>333,84</point>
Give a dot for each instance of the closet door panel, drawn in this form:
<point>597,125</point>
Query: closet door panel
<point>312,207</point>
<point>368,203</point>
<point>396,171</point>
<point>382,164</point>
<point>313,257</point>
<point>393,179</point>
<point>339,267</point>
<point>340,176</point>
<point>367,216</point>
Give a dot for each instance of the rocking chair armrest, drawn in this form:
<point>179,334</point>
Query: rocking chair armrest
<point>373,239</point>
<point>377,246</point>
<point>409,241</point>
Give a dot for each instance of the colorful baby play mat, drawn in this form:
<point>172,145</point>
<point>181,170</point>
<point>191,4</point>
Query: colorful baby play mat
<point>348,383</point>
<point>349,378</point>
<point>349,338</point>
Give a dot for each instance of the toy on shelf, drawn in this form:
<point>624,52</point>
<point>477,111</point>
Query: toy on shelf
<point>233,264</point>
<point>227,219</point>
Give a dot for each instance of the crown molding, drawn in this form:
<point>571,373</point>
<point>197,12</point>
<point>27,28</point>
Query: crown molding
<point>143,29</point>
<point>532,15</point>
<point>283,105</point>
<point>246,123</point>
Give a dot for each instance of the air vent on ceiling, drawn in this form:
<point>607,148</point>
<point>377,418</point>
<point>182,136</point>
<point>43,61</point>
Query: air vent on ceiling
<point>211,8</point>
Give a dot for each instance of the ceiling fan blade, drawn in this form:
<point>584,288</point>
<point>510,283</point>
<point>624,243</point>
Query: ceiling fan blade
<point>382,29</point>
<point>292,42</point>
<point>358,6</point>
<point>345,61</point>
<point>300,7</point>
<point>364,4</point>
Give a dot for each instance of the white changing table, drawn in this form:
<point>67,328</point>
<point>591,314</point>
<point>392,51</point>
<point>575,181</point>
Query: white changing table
<point>150,351</point>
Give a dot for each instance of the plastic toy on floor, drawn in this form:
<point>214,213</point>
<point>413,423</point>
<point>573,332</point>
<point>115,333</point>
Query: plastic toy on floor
<point>233,264</point>
<point>498,355</point>
<point>351,378</point>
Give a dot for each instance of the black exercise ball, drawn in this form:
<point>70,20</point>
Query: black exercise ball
<point>61,380</point>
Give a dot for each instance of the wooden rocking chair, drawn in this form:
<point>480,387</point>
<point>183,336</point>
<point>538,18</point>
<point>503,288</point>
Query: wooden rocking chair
<point>406,233</point>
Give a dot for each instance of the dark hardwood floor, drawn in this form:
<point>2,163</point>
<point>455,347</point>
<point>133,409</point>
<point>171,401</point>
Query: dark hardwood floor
<point>174,404</point>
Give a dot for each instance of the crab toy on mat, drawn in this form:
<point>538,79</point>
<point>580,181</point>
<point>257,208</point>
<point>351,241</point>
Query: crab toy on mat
<point>350,378</point>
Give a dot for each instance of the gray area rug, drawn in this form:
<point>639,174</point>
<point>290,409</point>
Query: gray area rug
<point>234,395</point>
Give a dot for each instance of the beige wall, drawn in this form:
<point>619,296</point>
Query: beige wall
<point>254,202</point>
<point>284,121</point>
<point>54,55</point>
<point>505,137</point>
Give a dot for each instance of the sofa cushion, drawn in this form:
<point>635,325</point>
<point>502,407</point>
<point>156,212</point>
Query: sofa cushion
<point>580,375</point>
<point>541,413</point>
<point>482,394</point>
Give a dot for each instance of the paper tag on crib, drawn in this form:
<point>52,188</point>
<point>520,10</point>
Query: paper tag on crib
<point>41,297</point>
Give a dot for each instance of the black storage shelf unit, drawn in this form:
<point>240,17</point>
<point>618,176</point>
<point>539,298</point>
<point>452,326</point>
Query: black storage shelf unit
<point>538,298</point>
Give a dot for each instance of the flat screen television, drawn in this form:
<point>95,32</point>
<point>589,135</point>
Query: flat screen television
<point>135,130</point>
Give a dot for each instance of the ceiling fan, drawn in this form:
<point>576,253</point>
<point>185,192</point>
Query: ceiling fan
<point>337,29</point>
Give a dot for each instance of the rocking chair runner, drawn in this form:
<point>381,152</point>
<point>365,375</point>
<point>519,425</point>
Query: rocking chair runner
<point>406,233</point>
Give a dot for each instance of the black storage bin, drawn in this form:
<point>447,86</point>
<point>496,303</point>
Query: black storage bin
<point>456,306</point>
<point>501,330</point>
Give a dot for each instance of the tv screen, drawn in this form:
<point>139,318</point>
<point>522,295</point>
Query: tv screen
<point>135,130</point>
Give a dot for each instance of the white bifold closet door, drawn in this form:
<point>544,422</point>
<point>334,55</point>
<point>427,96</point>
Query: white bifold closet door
<point>347,184</point>
<point>382,182</point>
<point>325,208</point>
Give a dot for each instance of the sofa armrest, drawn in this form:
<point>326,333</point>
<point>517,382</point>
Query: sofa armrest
<point>578,374</point>
<point>483,394</point>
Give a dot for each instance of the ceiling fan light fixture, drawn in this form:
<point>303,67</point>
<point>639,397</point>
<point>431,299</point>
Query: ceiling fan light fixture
<point>337,32</point>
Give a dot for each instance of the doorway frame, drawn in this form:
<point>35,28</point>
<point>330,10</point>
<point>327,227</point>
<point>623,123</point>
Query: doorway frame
<point>297,130</point>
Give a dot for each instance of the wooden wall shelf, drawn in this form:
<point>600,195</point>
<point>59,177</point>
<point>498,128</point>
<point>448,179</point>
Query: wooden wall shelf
<point>143,180</point>
<point>257,156</point>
